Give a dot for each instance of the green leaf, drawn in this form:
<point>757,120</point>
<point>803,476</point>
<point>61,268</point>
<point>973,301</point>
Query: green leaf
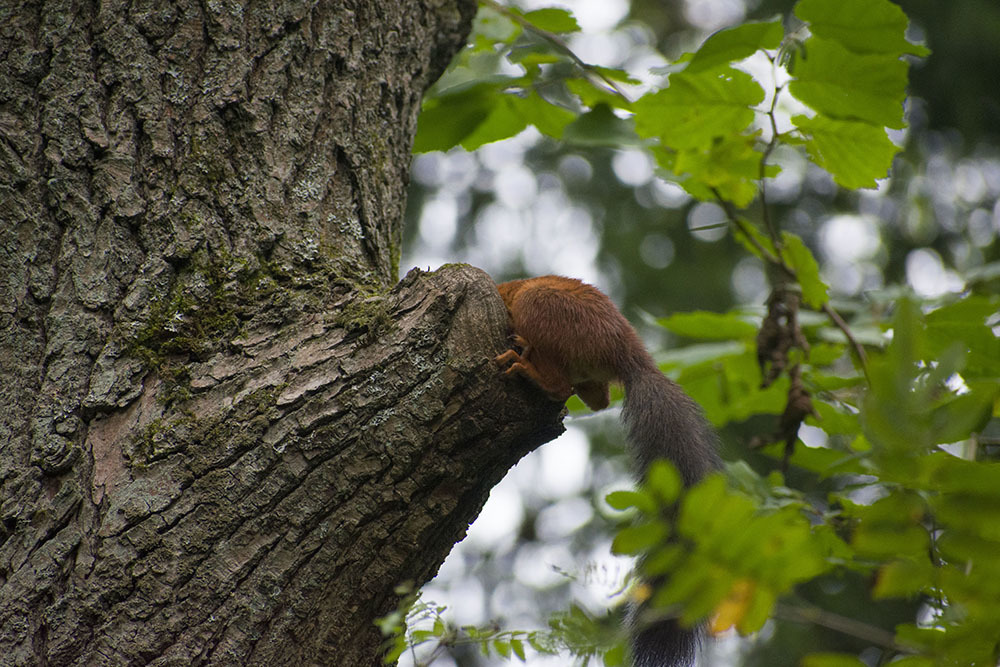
<point>712,326</point>
<point>967,640</point>
<point>864,26</point>
<point>550,119</point>
<point>966,320</point>
<point>614,74</point>
<point>699,107</point>
<point>754,400</point>
<point>632,540</point>
<point>736,43</point>
<point>972,514</point>
<point>663,559</point>
<point>531,58</point>
<point>814,290</point>
<point>760,608</point>
<point>824,354</point>
<point>615,656</point>
<point>623,500</point>
<point>729,167</point>
<point>601,127</point>
<point>708,504</point>
<point>728,385</point>
<point>502,647</point>
<point>702,595</point>
<point>961,416</point>
<point>850,86</point>
<point>834,421</point>
<point>754,241</point>
<point>663,480</point>
<point>592,93</point>
<point>896,409</point>
<point>480,113</point>
<point>964,545</point>
<point>953,475</point>
<point>393,654</point>
<point>855,153</point>
<point>902,578</point>
<point>553,20</point>
<point>517,646</point>
<point>891,527</point>
<point>448,119</point>
<point>705,355</point>
<point>821,460</point>
<point>420,636</point>
<point>391,623</point>
<point>504,120</point>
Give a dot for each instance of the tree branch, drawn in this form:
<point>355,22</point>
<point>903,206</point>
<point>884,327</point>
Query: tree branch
<point>800,613</point>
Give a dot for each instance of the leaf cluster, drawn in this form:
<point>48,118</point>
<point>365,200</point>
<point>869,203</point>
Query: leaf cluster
<point>909,501</point>
<point>423,629</point>
<point>898,485</point>
<point>840,63</point>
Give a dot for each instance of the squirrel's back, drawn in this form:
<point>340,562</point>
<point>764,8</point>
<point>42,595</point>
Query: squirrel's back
<point>576,325</point>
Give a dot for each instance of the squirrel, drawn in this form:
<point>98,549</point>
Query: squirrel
<point>573,340</point>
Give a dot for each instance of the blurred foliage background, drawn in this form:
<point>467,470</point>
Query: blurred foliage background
<point>528,206</point>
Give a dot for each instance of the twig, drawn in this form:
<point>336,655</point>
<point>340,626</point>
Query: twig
<point>857,350</point>
<point>808,614</point>
<point>741,224</point>
<point>765,211</point>
<point>856,347</point>
<point>556,41</point>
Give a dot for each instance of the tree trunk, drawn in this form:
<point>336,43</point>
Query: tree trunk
<point>225,439</point>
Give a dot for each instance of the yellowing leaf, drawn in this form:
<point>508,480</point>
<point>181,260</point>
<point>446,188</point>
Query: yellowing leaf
<point>733,608</point>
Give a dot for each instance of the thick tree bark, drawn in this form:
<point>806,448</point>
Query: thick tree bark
<point>225,439</point>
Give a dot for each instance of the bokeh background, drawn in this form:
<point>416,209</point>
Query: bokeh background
<point>527,206</point>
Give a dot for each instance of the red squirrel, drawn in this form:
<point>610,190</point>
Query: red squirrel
<point>573,340</point>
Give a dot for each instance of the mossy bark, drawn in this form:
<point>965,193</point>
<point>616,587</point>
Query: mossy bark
<point>225,437</point>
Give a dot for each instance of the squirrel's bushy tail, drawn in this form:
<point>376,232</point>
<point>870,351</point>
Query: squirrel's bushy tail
<point>661,421</point>
<point>665,644</point>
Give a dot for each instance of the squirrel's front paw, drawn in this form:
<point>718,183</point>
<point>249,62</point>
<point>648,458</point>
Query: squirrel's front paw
<point>507,358</point>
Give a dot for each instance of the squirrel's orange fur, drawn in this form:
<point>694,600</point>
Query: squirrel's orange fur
<point>572,339</point>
